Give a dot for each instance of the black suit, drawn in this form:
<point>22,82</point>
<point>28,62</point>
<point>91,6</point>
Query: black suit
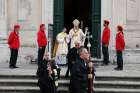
<point>79,77</point>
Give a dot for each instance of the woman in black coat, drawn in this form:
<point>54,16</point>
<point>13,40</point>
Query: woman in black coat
<point>45,81</point>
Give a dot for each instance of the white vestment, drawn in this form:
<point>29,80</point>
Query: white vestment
<point>76,35</point>
<point>62,49</point>
<point>62,43</point>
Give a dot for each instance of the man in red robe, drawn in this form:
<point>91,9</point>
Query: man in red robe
<point>105,42</point>
<point>42,42</point>
<point>14,44</point>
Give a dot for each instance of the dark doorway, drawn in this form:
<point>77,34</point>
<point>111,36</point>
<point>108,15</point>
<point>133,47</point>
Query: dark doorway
<point>77,9</point>
<point>88,11</point>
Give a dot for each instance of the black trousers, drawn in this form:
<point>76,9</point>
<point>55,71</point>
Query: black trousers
<point>44,89</point>
<point>13,58</point>
<point>119,59</point>
<point>105,54</point>
<point>48,88</point>
<point>41,52</point>
<point>69,68</point>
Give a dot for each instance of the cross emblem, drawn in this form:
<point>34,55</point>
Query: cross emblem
<point>88,36</point>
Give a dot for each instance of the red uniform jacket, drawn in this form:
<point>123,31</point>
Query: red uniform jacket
<point>13,40</point>
<point>41,38</point>
<point>106,36</point>
<point>120,43</point>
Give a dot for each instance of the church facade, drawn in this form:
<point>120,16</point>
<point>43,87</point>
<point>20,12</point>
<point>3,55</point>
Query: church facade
<point>57,14</point>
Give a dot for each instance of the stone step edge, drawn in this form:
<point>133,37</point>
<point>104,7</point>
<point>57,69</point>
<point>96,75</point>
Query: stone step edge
<point>18,88</point>
<point>105,89</point>
<point>18,80</point>
<point>107,82</point>
<point>19,75</point>
<point>63,76</point>
<point>117,90</point>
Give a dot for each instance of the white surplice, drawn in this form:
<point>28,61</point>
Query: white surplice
<point>62,43</point>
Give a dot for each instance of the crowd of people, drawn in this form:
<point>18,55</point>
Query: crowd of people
<point>77,57</point>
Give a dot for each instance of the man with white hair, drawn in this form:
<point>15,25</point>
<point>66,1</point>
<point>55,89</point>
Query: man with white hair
<point>76,34</point>
<point>79,73</point>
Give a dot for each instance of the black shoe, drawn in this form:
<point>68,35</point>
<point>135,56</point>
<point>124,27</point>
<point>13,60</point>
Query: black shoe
<point>118,69</point>
<point>16,67</point>
<point>67,76</point>
<point>11,67</point>
<point>104,64</point>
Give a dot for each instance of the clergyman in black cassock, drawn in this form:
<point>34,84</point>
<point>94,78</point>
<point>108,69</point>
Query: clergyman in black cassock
<point>71,56</point>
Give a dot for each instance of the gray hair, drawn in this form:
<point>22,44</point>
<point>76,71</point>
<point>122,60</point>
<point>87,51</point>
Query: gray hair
<point>81,50</point>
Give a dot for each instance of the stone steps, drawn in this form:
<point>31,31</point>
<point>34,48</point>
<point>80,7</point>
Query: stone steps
<point>63,89</point>
<point>109,84</point>
<point>117,78</point>
<point>102,84</point>
<point>104,90</point>
<point>18,89</point>
<point>114,90</point>
<point>18,84</point>
<point>117,84</point>
<point>5,76</point>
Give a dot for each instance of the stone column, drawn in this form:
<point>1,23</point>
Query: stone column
<point>118,16</point>
<point>107,14</point>
<point>47,18</point>
<point>3,19</point>
<point>132,25</point>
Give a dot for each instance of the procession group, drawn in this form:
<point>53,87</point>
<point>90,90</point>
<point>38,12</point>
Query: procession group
<point>77,57</point>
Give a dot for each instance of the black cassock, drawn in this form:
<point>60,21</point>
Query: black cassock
<point>45,82</point>
<point>79,77</point>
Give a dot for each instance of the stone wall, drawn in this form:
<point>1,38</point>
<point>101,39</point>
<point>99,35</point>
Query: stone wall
<point>27,13</point>
<point>30,13</point>
<point>126,13</point>
<point>3,19</point>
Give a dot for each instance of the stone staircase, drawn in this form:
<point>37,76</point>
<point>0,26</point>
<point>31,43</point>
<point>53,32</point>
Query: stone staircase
<point>18,84</point>
<point>109,84</point>
<point>102,84</point>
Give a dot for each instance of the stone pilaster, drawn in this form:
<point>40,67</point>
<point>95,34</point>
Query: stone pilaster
<point>3,19</point>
